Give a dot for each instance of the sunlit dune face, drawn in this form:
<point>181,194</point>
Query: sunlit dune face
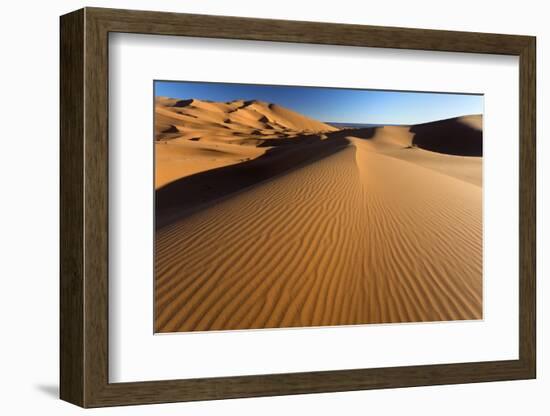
<point>268,218</point>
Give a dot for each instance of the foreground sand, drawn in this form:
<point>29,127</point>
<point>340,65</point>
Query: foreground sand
<point>371,231</point>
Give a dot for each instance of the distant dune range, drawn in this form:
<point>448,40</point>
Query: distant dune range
<point>266,218</point>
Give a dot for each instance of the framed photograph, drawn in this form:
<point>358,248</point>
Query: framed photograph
<point>256,207</point>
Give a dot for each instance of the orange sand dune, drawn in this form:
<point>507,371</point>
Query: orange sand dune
<point>461,136</point>
<point>194,136</point>
<point>328,228</point>
<point>397,141</point>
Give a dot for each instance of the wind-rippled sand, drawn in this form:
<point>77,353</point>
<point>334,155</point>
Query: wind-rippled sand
<point>373,232</point>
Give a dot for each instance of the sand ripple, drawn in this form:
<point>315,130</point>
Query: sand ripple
<point>357,237</point>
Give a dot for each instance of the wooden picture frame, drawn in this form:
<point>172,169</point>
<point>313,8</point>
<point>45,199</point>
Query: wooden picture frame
<point>84,207</point>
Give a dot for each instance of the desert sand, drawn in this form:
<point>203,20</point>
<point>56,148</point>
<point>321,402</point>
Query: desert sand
<point>199,135</point>
<point>267,219</point>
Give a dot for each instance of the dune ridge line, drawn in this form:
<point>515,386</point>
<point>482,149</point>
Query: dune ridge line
<point>277,220</point>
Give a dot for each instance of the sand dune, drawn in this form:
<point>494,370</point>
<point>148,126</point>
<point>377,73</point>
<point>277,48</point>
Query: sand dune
<point>398,142</point>
<point>327,228</point>
<point>193,136</point>
<point>460,136</point>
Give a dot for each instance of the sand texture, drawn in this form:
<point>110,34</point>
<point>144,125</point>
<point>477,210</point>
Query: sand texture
<point>302,224</point>
<point>193,135</point>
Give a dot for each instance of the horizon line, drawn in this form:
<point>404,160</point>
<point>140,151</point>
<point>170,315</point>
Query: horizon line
<point>324,121</point>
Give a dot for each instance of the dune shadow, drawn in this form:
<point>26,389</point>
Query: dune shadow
<point>171,129</point>
<point>360,133</point>
<point>183,103</point>
<point>186,195</point>
<point>448,136</point>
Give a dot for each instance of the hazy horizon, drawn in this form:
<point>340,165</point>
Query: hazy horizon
<point>335,105</point>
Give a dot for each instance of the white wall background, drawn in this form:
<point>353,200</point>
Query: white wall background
<point>29,207</point>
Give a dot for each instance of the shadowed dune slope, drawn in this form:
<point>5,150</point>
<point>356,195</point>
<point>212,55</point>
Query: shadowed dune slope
<point>188,194</point>
<point>266,218</point>
<point>460,136</point>
<point>359,236</point>
<point>397,141</point>
<point>193,136</point>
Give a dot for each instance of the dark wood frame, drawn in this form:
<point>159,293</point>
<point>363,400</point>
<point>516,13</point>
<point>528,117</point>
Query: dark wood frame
<point>84,207</point>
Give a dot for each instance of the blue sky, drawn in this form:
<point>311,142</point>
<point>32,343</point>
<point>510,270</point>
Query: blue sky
<point>335,104</point>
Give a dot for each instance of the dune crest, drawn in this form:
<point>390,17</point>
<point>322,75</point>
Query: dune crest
<point>268,219</point>
<point>460,136</point>
<point>337,242</point>
<point>399,142</point>
<point>193,136</point>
